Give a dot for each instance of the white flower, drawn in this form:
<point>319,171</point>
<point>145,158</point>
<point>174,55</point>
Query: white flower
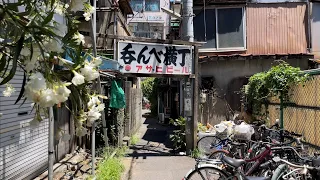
<point>100,107</point>
<point>59,9</point>
<point>66,6</point>
<point>79,38</point>
<point>89,72</point>
<point>31,94</point>
<point>90,9</point>
<point>93,101</point>
<point>54,46</point>
<point>78,79</point>
<point>8,91</point>
<point>97,61</point>
<point>87,16</point>
<point>47,98</point>
<point>93,115</point>
<point>37,82</point>
<point>81,131</point>
<point>76,5</point>
<point>62,93</point>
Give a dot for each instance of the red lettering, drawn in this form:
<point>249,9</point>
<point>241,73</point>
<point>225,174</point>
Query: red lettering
<point>149,68</point>
<point>139,67</point>
<point>185,70</point>
<point>158,69</point>
<point>169,69</point>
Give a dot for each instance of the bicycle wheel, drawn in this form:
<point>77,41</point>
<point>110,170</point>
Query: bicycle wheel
<point>207,173</point>
<point>218,154</point>
<point>208,144</point>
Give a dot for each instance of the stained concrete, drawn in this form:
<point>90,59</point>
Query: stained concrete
<point>152,157</point>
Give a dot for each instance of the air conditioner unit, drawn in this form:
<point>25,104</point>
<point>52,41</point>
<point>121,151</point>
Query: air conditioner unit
<point>161,117</point>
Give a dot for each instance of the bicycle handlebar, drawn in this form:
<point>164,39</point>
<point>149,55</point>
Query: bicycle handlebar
<point>278,159</point>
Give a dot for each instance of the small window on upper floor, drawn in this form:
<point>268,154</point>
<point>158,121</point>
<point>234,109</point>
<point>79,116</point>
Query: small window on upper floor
<point>222,28</point>
<point>145,5</point>
<point>152,5</point>
<point>136,5</point>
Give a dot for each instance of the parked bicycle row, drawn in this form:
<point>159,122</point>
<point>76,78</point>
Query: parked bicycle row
<point>268,153</point>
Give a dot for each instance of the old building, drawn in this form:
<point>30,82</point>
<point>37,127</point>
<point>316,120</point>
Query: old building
<point>148,20</point>
<point>244,38</point>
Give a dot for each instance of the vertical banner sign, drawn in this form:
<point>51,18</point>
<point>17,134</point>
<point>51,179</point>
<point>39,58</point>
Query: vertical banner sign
<point>150,58</point>
<point>188,99</point>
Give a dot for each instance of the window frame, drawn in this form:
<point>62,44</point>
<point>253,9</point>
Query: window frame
<point>144,7</point>
<point>217,48</point>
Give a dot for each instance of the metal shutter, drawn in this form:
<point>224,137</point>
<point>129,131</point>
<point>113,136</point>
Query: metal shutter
<point>23,150</point>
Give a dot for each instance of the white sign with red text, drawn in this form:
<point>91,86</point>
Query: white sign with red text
<point>149,58</point>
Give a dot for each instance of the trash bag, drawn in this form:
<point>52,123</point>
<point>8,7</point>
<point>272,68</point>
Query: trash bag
<point>243,131</point>
<point>118,99</point>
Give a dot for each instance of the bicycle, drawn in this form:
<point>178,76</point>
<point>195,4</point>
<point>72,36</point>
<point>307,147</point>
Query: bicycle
<point>210,170</point>
<point>288,170</point>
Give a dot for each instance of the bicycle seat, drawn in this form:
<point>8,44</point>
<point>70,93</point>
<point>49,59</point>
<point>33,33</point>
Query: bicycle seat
<point>256,178</point>
<point>233,162</point>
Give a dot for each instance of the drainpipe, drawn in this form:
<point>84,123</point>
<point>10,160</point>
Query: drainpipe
<point>309,27</point>
<point>51,144</point>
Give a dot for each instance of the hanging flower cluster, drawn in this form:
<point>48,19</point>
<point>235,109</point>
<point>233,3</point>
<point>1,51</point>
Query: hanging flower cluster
<point>35,36</point>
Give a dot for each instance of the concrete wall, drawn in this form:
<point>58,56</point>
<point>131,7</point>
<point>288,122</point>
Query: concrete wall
<point>229,76</point>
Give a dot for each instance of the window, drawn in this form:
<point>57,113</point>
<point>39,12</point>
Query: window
<point>223,29</point>
<point>152,5</point>
<point>136,5</point>
<point>145,5</point>
<point>148,30</point>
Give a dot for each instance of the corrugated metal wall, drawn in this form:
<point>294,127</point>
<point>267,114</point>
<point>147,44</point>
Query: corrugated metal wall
<point>23,150</point>
<point>315,29</point>
<point>276,28</point>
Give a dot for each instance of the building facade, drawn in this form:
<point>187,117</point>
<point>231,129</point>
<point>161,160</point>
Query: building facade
<point>148,20</point>
<point>243,38</point>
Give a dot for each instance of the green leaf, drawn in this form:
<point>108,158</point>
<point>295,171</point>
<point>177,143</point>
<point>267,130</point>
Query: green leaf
<point>25,99</point>
<point>22,88</point>
<point>15,60</point>
<point>48,18</point>
<point>3,62</point>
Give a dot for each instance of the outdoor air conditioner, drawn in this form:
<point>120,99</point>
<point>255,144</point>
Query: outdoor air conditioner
<point>161,117</point>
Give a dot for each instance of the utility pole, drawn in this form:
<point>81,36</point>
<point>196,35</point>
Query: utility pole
<point>190,88</point>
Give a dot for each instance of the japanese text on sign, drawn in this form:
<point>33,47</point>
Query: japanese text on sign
<point>154,58</point>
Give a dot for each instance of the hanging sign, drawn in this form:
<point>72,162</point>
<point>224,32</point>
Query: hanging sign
<point>150,58</point>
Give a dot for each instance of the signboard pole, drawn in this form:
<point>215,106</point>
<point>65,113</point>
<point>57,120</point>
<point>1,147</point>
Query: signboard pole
<point>191,106</point>
<point>195,97</point>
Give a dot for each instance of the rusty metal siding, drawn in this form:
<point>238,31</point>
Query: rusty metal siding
<point>315,29</point>
<point>276,28</point>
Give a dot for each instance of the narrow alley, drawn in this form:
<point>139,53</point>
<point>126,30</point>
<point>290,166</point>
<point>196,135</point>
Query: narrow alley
<point>152,157</point>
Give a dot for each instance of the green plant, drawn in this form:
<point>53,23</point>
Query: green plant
<point>201,127</point>
<point>147,87</point>
<point>134,139</point>
<point>111,166</point>
<point>196,153</point>
<point>274,83</point>
<point>179,135</point>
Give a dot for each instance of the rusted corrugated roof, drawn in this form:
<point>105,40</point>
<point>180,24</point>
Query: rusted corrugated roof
<point>252,56</point>
<point>276,28</point>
